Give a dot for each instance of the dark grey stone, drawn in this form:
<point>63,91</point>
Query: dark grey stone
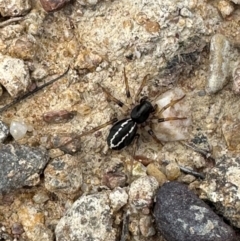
<point>181,216</point>
<point>20,166</point>
<point>4,131</point>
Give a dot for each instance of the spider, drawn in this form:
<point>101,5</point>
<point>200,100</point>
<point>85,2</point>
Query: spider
<point>124,131</point>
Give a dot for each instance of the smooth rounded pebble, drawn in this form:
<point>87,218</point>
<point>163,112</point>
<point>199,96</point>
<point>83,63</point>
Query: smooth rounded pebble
<point>181,216</point>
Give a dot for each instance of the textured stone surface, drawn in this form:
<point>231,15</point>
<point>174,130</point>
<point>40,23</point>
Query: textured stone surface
<point>220,67</point>
<point>222,188</point>
<point>32,220</point>
<point>14,75</point>
<point>20,165</point>
<point>118,198</point>
<point>181,216</point>
<point>164,39</point>
<point>13,8</point>
<point>63,175</point>
<point>4,131</point>
<point>142,191</point>
<point>89,218</point>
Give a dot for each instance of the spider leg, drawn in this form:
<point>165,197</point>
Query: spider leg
<point>172,103</point>
<point>128,94</point>
<point>171,118</point>
<point>98,127</point>
<point>110,97</point>
<point>152,134</point>
<point>141,86</point>
<point>90,131</point>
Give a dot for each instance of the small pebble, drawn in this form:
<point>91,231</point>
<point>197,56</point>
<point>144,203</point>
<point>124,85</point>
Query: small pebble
<point>17,229</point>
<point>39,73</point>
<point>152,170</point>
<point>231,134</point>
<point>188,179</point>
<point>219,64</point>
<point>225,8</point>
<point>146,226</point>
<point>142,192</point>
<point>18,129</point>
<point>118,198</point>
<point>40,197</point>
<point>172,171</point>
<point>53,153</point>
<point>14,75</point>
<point>58,116</point>
<point>53,5</point>
<point>63,175</point>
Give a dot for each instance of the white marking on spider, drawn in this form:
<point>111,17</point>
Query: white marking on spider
<point>122,125</point>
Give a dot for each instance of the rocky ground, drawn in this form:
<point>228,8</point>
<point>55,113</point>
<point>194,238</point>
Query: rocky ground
<point>59,180</point>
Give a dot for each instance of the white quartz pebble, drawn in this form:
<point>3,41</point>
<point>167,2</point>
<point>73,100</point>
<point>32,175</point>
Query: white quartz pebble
<point>18,129</point>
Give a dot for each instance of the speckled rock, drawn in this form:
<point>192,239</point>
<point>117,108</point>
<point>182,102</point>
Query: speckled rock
<point>39,73</point>
<point>141,34</point>
<point>87,60</point>
<point>14,75</point>
<point>172,171</point>
<point>41,197</point>
<point>4,131</point>
<point>32,220</point>
<point>230,130</point>
<point>225,7</point>
<point>13,8</point>
<point>23,48</point>
<point>236,80</point>
<point>146,226</point>
<point>63,175</point>
<point>142,191</point>
<point>89,218</point>
<point>21,165</point>
<point>219,64</point>
<point>181,216</point>
<point>34,22</point>
<point>118,198</point>
<point>222,188</point>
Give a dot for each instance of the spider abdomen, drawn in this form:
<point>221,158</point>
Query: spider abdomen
<point>122,134</point>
